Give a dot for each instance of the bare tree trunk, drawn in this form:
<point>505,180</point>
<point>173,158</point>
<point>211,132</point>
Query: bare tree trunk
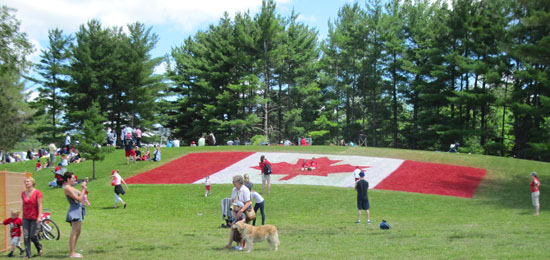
<point>266,92</point>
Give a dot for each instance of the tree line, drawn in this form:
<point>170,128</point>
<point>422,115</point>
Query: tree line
<point>408,74</point>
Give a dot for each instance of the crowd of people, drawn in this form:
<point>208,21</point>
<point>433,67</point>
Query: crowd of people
<point>32,201</point>
<point>242,196</point>
<point>241,201</point>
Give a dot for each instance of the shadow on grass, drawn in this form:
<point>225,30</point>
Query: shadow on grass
<point>53,256</point>
<point>108,207</point>
<point>223,248</point>
<point>512,193</point>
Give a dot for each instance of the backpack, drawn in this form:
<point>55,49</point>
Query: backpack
<point>384,225</point>
<point>267,169</point>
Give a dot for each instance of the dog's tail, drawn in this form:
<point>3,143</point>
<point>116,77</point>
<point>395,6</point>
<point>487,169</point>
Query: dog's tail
<point>276,238</point>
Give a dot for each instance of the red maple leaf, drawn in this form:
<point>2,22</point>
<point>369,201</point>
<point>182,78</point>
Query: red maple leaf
<point>324,168</point>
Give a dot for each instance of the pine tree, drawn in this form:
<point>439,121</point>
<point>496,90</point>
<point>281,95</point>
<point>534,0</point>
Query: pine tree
<point>53,71</point>
<point>93,135</point>
<point>268,45</point>
<point>15,47</point>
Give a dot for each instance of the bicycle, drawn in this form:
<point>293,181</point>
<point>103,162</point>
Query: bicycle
<point>48,229</point>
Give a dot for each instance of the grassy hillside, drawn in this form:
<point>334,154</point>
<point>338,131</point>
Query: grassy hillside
<point>177,222</point>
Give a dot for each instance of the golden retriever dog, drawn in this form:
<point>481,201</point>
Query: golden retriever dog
<point>252,234</point>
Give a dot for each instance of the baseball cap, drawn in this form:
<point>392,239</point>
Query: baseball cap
<point>113,172</point>
<point>534,174</point>
<point>362,174</point>
<point>238,203</point>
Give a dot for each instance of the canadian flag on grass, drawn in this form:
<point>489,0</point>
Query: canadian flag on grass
<point>332,170</point>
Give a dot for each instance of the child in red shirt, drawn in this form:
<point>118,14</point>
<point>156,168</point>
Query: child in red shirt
<point>305,166</point>
<point>207,186</point>
<point>38,166</point>
<point>15,231</point>
<point>312,164</point>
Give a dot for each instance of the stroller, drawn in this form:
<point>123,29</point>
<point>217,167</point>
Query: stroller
<point>226,212</point>
<point>58,178</point>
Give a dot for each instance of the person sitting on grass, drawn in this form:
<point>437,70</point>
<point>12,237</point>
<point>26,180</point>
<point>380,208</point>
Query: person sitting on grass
<point>38,166</point>
<point>138,154</point>
<point>64,161</point>
<point>147,155</point>
<point>75,156</point>
<point>305,165</point>
<point>312,164</point>
<point>156,154</point>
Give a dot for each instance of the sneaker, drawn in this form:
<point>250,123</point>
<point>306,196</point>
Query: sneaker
<point>124,206</point>
<point>21,251</point>
<point>238,248</point>
<point>358,221</point>
<point>368,222</point>
<point>10,254</point>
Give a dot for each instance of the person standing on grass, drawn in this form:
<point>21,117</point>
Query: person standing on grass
<point>15,232</point>
<point>362,187</point>
<point>265,167</point>
<point>53,151</point>
<point>32,212</point>
<point>356,174</point>
<point>535,193</point>
<point>67,143</point>
<point>129,151</point>
<point>138,137</point>
<point>117,182</point>
<point>247,182</point>
<point>259,205</point>
<point>76,212</point>
<point>207,189</point>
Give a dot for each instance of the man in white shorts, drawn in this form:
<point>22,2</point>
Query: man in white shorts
<point>535,193</point>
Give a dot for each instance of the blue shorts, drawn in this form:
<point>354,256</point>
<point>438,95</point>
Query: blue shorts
<point>15,241</point>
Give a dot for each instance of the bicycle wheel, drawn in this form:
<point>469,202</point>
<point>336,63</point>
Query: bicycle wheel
<point>50,229</point>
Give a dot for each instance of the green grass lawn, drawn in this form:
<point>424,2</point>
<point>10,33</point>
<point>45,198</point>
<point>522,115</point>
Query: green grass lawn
<point>314,222</point>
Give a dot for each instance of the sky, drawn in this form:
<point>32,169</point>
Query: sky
<point>172,21</point>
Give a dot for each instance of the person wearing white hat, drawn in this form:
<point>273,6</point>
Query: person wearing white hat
<point>535,193</point>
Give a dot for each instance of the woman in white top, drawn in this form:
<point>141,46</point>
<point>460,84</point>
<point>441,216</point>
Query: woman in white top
<point>117,182</point>
<point>240,193</point>
<point>259,205</point>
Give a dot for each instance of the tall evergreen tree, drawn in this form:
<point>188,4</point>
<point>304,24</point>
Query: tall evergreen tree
<point>53,72</point>
<point>530,94</point>
<point>15,47</point>
<point>268,44</point>
<point>93,135</point>
<point>89,69</point>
